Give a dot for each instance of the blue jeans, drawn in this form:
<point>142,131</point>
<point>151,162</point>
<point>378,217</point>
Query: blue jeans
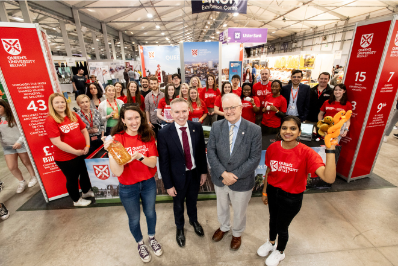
<point>130,196</point>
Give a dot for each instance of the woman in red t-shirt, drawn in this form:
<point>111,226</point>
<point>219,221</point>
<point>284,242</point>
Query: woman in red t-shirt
<point>274,109</point>
<point>208,94</point>
<point>69,135</point>
<point>288,164</point>
<point>164,109</point>
<point>136,177</point>
<point>338,101</point>
<point>225,88</point>
<point>250,103</point>
<point>134,95</point>
<point>197,107</point>
<point>119,91</point>
<point>184,91</point>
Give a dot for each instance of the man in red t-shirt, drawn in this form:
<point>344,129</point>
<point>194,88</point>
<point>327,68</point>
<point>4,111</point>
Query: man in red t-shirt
<point>261,90</point>
<point>235,85</point>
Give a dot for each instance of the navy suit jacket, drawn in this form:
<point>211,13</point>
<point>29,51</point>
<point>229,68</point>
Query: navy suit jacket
<point>171,154</point>
<point>303,99</point>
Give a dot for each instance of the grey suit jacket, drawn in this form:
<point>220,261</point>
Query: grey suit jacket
<point>245,156</point>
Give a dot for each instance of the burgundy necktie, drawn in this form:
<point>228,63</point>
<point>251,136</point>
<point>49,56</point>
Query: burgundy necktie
<point>187,150</point>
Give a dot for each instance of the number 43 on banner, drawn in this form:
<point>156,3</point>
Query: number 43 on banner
<point>41,103</point>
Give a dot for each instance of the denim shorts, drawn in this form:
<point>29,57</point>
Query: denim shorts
<point>9,150</point>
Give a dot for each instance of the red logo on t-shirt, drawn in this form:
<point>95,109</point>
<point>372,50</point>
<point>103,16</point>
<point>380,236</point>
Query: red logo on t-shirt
<point>274,165</point>
<point>140,149</point>
<point>101,171</point>
<point>282,167</point>
<point>210,95</point>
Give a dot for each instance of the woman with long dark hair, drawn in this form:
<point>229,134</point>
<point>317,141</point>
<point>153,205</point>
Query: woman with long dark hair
<point>208,94</point>
<point>288,164</point>
<point>13,147</point>
<point>136,178</point>
<point>250,103</point>
<point>134,95</point>
<point>163,111</point>
<point>225,88</point>
<point>94,92</point>
<point>274,109</point>
<point>338,101</point>
<point>71,140</point>
<point>247,77</point>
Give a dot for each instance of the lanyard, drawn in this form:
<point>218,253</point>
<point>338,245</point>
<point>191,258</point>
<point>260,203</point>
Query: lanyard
<point>295,95</point>
<point>112,106</point>
<point>319,92</point>
<point>90,121</point>
<point>154,102</point>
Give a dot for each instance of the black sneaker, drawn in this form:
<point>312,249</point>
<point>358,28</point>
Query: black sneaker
<point>1,186</point>
<point>4,214</point>
<point>396,136</point>
<point>156,247</point>
<point>144,253</point>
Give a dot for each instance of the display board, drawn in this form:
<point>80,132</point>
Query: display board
<point>372,87</point>
<point>201,59</point>
<point>161,61</point>
<point>235,68</point>
<point>25,50</point>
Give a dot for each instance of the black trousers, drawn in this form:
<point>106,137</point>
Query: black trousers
<point>72,170</point>
<point>265,131</point>
<point>156,129</point>
<point>283,207</point>
<point>94,144</point>
<point>190,194</point>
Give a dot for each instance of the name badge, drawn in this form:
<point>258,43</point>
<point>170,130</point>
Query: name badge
<point>292,107</point>
<point>195,119</point>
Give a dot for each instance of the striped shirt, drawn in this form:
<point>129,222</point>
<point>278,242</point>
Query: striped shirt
<point>97,121</point>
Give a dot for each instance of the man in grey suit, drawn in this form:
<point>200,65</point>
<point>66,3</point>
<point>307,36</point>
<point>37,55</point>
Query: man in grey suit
<point>234,152</point>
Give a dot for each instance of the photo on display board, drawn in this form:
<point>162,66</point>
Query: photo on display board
<point>307,61</point>
<point>162,62</point>
<point>201,59</point>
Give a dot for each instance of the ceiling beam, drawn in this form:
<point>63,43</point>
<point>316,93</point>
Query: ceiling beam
<point>324,9</point>
<point>84,4</point>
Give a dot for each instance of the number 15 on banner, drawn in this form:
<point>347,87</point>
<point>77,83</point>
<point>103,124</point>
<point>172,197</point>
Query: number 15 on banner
<point>41,103</point>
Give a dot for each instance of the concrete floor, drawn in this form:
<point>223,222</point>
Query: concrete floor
<point>342,228</point>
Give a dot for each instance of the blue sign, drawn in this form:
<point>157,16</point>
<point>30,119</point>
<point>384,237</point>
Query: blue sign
<point>235,68</point>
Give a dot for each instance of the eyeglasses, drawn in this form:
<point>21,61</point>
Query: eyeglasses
<point>232,108</point>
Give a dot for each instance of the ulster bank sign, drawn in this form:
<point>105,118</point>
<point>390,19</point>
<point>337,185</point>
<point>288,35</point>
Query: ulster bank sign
<point>228,6</point>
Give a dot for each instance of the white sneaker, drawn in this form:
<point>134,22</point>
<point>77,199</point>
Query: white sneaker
<point>395,127</point>
<point>82,202</point>
<point>266,248</point>
<point>275,258</point>
<point>156,247</point>
<point>21,186</point>
<point>144,253</point>
<point>89,194</point>
<point>4,213</point>
<point>385,139</point>
<point>32,182</point>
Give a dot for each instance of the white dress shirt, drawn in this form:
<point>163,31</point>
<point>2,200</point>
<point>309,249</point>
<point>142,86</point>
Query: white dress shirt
<point>179,132</point>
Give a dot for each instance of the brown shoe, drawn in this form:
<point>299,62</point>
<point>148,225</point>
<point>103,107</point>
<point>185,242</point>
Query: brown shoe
<point>218,235</point>
<point>235,243</point>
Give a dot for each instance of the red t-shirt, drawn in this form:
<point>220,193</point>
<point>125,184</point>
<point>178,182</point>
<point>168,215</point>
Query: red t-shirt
<point>209,96</point>
<point>142,106</point>
<point>331,109</point>
<point>162,106</point>
<point>178,96</point>
<point>261,91</point>
<point>247,109</point>
<point>238,91</point>
<point>269,117</point>
<point>136,171</point>
<point>70,133</point>
<point>121,98</point>
<point>218,103</point>
<point>289,168</point>
<point>198,112</point>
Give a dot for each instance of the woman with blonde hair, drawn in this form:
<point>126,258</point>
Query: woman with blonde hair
<point>13,147</point>
<point>184,91</point>
<point>92,118</point>
<point>197,107</point>
<point>69,135</point>
<point>110,108</point>
<point>194,82</point>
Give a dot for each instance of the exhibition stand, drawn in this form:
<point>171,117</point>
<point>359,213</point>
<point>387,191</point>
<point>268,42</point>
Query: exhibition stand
<point>66,67</point>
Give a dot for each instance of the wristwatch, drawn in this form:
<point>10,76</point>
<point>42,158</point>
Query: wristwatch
<point>142,158</point>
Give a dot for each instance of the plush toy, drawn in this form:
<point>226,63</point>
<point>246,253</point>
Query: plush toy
<point>324,125</point>
<point>333,132</point>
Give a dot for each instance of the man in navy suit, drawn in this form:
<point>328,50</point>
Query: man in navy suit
<point>297,96</point>
<point>183,165</point>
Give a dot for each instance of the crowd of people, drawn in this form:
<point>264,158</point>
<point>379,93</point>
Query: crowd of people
<point>151,123</point>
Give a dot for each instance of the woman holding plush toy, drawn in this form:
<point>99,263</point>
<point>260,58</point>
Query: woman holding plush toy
<point>338,101</point>
<point>288,163</point>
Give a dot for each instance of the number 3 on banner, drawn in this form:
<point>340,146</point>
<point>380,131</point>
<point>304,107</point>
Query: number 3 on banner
<point>32,106</point>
